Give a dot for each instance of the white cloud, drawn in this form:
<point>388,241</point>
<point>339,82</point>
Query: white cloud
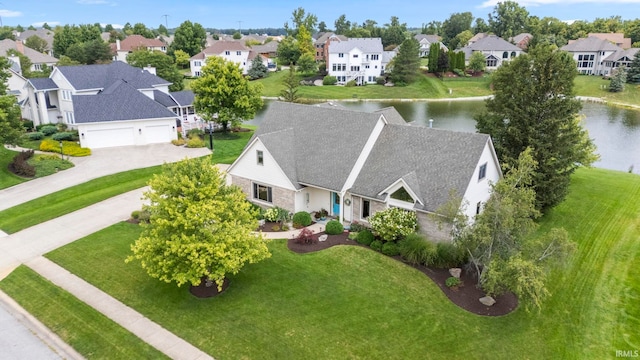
<point>493,3</point>
<point>115,26</point>
<point>10,13</point>
<point>50,23</point>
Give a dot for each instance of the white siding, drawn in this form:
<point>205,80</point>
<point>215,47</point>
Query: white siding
<point>478,190</point>
<point>269,173</point>
<point>318,199</point>
<point>127,133</point>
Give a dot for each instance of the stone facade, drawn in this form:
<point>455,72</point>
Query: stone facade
<point>283,198</point>
<point>433,230</point>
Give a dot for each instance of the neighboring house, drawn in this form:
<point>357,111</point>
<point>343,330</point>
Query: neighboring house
<point>522,40</point>
<point>495,49</point>
<point>16,83</point>
<point>42,33</point>
<point>477,37</point>
<point>268,51</point>
<point>590,54</point>
<point>616,38</point>
<point>131,43</point>
<point>322,45</point>
<point>312,157</point>
<point>425,42</point>
<point>109,104</point>
<point>234,51</point>
<point>620,58</point>
<point>357,59</point>
<point>37,59</point>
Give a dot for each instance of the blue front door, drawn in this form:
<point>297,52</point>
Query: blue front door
<point>335,201</point>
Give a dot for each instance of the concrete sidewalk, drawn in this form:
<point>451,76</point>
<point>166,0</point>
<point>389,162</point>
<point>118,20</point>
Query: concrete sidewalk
<point>315,228</point>
<point>101,162</point>
<point>147,330</point>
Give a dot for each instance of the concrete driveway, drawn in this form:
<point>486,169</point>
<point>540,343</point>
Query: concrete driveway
<point>101,162</point>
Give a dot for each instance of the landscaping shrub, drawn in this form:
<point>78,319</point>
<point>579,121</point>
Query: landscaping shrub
<point>135,215</point>
<point>195,133</point>
<point>20,166</point>
<point>380,80</point>
<point>305,237</point>
<point>144,216</point>
<point>195,142</point>
<point>416,249</point>
<point>257,211</point>
<point>35,135</point>
<point>322,213</point>
<point>393,223</point>
<point>329,80</point>
<point>351,83</point>
<point>70,148</point>
<point>27,125</point>
<point>357,227</point>
<point>376,245</point>
<point>49,130</point>
<point>301,219</point>
<point>448,255</point>
<point>179,142</point>
<point>334,227</point>
<point>390,248</point>
<point>352,235</point>
<point>276,214</point>
<point>62,127</point>
<point>69,136</point>
<point>452,281</point>
<point>365,237</point>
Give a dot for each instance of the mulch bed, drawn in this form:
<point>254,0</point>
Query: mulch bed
<point>268,227</point>
<point>465,296</point>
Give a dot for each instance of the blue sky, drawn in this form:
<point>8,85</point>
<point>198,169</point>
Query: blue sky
<point>272,13</point>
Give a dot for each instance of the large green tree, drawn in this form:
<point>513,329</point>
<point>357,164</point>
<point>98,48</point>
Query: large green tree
<point>224,95</point>
<point>500,242</point>
<point>508,19</point>
<point>258,70</point>
<point>534,106</point>
<point>300,18</point>
<point>11,128</point>
<point>454,25</point>
<point>288,51</point>
<point>91,52</point>
<point>189,37</point>
<point>406,63</point>
<point>165,67</point>
<point>199,227</point>
<point>477,62</point>
<point>65,37</point>
<point>36,43</point>
<point>633,74</point>
<point>394,32</point>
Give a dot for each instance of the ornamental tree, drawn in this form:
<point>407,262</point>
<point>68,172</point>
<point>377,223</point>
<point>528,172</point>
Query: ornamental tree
<point>200,229</point>
<point>11,128</point>
<point>393,223</point>
<point>224,95</point>
<point>164,64</point>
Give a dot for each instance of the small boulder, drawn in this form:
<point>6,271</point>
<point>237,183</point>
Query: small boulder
<point>323,237</point>
<point>487,301</point>
<point>455,272</point>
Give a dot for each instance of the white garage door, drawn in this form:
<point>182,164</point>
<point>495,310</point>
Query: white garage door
<point>157,134</point>
<point>110,137</point>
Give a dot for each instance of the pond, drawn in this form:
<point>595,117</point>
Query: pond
<point>615,131</point>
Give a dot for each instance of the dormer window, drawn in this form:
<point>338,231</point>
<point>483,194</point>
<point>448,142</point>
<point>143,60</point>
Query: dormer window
<point>402,195</point>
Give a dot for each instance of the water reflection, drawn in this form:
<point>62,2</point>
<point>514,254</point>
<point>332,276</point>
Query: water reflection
<point>616,131</point>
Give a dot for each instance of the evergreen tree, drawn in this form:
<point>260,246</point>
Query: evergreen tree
<point>633,74</point>
<point>434,54</point>
<point>291,84</point>
<point>534,106</point>
<point>618,79</point>
<point>407,63</point>
<point>258,70</point>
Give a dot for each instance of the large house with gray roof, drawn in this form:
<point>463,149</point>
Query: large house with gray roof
<point>353,164</point>
<point>37,59</point>
<point>495,49</point>
<point>590,54</point>
<point>234,51</point>
<point>357,59</point>
<point>109,104</point>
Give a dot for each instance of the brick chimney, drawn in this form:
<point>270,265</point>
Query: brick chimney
<point>20,46</point>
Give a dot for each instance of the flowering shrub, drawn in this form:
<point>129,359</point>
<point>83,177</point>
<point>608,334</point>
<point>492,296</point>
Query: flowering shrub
<point>276,214</point>
<point>393,223</point>
<point>70,148</point>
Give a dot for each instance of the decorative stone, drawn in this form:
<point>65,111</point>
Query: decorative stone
<point>455,272</point>
<point>323,237</point>
<point>487,301</point>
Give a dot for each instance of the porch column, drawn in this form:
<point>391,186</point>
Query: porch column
<point>341,205</point>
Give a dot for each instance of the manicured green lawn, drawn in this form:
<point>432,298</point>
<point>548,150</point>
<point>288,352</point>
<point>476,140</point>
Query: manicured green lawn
<point>349,302</point>
<point>425,87</point>
<point>71,199</point>
<point>7,178</point>
<point>45,165</point>
<point>89,332</point>
<point>586,85</point>
<point>228,146</point>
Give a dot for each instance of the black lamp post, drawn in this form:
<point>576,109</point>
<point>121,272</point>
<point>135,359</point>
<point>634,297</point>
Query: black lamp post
<point>61,153</point>
<point>211,135</point>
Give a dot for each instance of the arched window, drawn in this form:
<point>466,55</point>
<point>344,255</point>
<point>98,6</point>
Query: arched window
<point>505,55</point>
<point>513,54</point>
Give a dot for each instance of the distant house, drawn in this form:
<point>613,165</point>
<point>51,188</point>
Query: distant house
<point>268,51</point>
<point>354,164</point>
<point>425,42</point>
<point>42,33</point>
<point>109,104</point>
<point>495,49</point>
<point>475,38</point>
<point>521,40</point>
<point>234,51</point>
<point>322,45</point>
<point>619,59</point>
<point>616,38</point>
<point>37,59</point>
<point>357,59</point>
<point>131,43</point>
<point>590,54</point>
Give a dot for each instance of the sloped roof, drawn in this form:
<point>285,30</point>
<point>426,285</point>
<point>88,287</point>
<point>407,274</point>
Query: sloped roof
<point>629,53</point>
<point>164,99</point>
<point>391,115</point>
<point>590,44</point>
<point>42,33</point>
<point>522,36</point>
<point>119,102</point>
<point>492,43</point>
<point>43,84</point>
<point>366,45</point>
<point>133,42</point>
<point>430,38</point>
<point>326,35</point>
<point>315,145</point>
<point>34,56</point>
<point>183,98</point>
<point>431,161</point>
<point>270,47</point>
<point>101,76</point>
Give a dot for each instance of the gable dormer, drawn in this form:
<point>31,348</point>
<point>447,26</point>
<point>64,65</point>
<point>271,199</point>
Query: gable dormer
<point>403,193</point>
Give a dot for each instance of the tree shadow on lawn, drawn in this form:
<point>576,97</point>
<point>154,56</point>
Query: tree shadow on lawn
<point>465,296</point>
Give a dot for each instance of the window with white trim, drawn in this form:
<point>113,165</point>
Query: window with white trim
<point>262,193</point>
<point>238,53</point>
<point>260,157</point>
<point>197,63</point>
<point>69,117</point>
<point>66,95</point>
<point>482,171</point>
<point>365,209</point>
<point>227,52</point>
